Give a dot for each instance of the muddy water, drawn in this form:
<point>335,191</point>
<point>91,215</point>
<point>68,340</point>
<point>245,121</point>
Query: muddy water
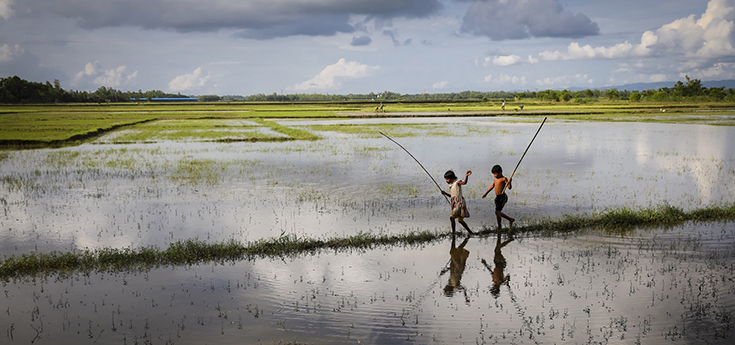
<point>653,286</point>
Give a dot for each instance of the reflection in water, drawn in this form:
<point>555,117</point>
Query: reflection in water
<point>457,262</point>
<point>500,263</point>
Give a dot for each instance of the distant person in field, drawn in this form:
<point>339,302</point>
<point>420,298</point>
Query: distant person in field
<point>499,276</point>
<point>501,198</point>
<point>381,107</point>
<point>459,206</point>
<point>521,106</point>
<point>502,106</point>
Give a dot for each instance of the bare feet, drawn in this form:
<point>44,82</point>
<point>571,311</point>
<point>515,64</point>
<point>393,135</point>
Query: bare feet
<point>511,221</point>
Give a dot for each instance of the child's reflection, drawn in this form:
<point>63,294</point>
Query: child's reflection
<point>499,261</point>
<point>458,259</point>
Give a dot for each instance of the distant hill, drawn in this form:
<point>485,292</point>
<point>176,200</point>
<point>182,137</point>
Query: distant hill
<point>730,84</point>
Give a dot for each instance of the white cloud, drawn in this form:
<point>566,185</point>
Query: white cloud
<point>504,79</point>
<point>330,76</point>
<point>115,77</point>
<point>5,10</point>
<point>507,60</point>
<point>93,75</point>
<point>658,78</point>
<point>699,45</point>
<point>8,53</point>
<point>90,70</point>
<point>532,60</point>
<point>564,80</point>
<point>188,81</point>
<point>440,85</point>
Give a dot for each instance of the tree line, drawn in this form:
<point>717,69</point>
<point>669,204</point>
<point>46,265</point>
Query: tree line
<point>17,90</point>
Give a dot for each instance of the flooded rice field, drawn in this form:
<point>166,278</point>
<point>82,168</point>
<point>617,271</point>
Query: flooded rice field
<point>652,285</point>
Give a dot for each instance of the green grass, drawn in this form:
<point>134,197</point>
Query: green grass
<point>191,252</point>
<point>57,125</point>
<point>50,128</point>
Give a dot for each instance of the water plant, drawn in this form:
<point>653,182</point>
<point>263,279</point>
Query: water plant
<point>190,252</point>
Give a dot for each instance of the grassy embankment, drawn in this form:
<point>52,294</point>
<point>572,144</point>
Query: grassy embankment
<point>191,252</point>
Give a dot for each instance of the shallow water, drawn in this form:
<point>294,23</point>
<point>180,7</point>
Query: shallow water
<point>153,194</point>
<point>652,286</point>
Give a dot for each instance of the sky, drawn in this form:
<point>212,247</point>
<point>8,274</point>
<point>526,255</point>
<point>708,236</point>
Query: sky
<point>246,47</point>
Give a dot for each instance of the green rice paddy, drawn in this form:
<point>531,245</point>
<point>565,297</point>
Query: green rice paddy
<point>299,223</point>
<point>55,125</point>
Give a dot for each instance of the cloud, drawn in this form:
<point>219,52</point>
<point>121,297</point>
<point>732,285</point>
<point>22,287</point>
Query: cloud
<point>504,79</point>
<point>188,81</point>
<point>564,80</point>
<point>700,46</point>
<point>8,53</point>
<point>394,37</point>
<point>507,60</point>
<point>519,19</point>
<point>330,76</point>
<point>5,10</point>
<point>116,77</point>
<point>440,85</point>
<point>93,75</point>
<point>15,60</point>
<point>257,19</point>
<point>361,41</point>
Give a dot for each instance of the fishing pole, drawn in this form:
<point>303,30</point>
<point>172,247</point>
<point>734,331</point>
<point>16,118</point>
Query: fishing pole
<point>524,155</point>
<point>417,161</point>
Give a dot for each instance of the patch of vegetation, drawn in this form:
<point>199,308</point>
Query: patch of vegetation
<point>21,130</point>
<point>191,252</point>
<point>623,219</point>
<point>293,133</point>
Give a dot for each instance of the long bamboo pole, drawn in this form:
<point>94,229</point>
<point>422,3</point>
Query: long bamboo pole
<point>524,155</point>
<point>417,161</point>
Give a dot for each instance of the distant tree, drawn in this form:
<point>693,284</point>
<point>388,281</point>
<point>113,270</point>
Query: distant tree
<point>209,98</point>
<point>660,96</point>
<point>565,95</point>
<point>612,94</point>
<point>635,96</point>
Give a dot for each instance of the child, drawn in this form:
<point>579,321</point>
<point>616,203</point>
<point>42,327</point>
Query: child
<point>459,207</point>
<point>500,197</point>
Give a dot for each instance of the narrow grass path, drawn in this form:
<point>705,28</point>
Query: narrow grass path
<point>191,252</point>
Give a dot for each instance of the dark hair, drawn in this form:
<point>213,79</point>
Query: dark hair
<point>497,169</point>
<point>449,175</point>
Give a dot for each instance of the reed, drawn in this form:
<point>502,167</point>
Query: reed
<point>192,252</point>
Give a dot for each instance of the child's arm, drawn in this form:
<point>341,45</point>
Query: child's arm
<point>467,176</point>
<point>510,186</point>
<point>488,190</point>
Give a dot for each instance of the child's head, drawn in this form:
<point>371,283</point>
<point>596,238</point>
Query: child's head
<point>450,176</point>
<point>497,170</point>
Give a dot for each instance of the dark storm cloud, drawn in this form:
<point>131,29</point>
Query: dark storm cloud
<point>16,61</point>
<point>259,19</point>
<point>361,41</point>
<point>518,19</point>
